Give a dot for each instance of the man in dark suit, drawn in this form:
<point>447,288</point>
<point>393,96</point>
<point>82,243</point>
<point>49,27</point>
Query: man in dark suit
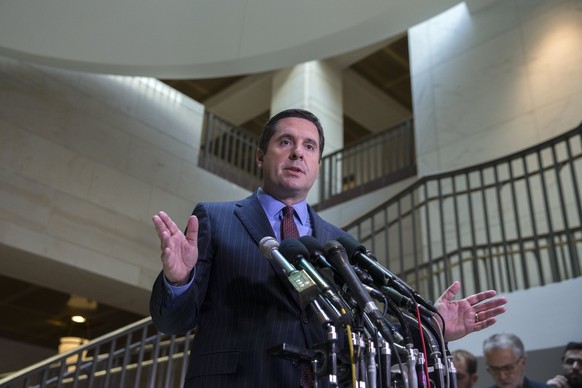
<point>506,362</point>
<point>215,278</point>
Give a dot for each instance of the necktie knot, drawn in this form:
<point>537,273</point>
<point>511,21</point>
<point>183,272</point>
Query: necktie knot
<point>288,226</point>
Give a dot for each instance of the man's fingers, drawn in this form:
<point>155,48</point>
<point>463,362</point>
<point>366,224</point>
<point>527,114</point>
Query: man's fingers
<point>169,224</point>
<point>450,292</point>
<point>490,304</point>
<point>487,314</point>
<point>485,324</point>
<point>192,229</point>
<point>481,296</point>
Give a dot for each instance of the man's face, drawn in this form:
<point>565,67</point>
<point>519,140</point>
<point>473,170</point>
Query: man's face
<point>572,365</point>
<point>291,163</point>
<point>506,369</point>
<point>464,379</point>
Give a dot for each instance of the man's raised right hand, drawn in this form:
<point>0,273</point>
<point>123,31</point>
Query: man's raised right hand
<point>179,250</point>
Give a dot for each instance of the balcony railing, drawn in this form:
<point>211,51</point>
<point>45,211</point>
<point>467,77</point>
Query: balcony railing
<point>134,356</point>
<point>509,224</point>
<point>229,151</point>
<point>370,164</point>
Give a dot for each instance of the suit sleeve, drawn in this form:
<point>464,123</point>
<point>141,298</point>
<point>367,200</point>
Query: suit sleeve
<point>179,314</point>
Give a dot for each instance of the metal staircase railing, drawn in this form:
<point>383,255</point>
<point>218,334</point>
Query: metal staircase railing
<point>134,356</point>
<point>509,224</point>
<point>367,165</point>
<point>229,151</point>
<point>373,162</point>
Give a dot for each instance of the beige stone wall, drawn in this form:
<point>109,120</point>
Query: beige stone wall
<point>85,161</point>
<point>488,82</point>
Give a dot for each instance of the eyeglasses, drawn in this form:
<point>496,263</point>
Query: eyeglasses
<point>571,361</point>
<point>496,370</point>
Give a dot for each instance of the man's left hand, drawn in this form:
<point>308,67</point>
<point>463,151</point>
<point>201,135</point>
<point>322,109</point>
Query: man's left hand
<point>473,313</point>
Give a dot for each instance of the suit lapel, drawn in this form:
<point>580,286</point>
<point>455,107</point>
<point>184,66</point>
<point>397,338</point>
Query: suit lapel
<point>320,230</point>
<point>251,214</point>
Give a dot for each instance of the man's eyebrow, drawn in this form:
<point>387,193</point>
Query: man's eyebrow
<point>292,136</point>
<point>311,140</point>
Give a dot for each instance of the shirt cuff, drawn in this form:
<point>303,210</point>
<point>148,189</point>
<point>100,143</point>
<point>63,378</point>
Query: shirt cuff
<point>176,291</point>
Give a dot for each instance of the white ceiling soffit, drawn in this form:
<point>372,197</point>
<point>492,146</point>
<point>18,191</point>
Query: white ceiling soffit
<point>196,38</point>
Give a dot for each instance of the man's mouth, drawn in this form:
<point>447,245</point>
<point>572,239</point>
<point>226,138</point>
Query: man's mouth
<point>294,169</point>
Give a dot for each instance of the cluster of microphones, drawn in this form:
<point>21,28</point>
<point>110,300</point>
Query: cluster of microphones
<point>399,344</point>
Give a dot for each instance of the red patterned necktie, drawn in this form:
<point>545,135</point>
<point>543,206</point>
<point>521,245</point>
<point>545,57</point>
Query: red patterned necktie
<point>288,227</point>
<point>289,230</point>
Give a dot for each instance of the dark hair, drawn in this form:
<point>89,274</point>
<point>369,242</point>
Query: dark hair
<point>572,346</point>
<point>270,127</point>
<point>470,360</point>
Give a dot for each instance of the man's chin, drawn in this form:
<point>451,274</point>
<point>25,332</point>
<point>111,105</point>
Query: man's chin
<point>294,186</point>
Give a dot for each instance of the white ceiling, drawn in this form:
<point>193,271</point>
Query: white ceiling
<point>199,39</point>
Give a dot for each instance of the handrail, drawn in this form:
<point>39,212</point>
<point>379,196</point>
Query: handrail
<point>229,151</point>
<point>509,224</point>
<point>531,197</point>
<point>373,162</point>
<point>136,355</point>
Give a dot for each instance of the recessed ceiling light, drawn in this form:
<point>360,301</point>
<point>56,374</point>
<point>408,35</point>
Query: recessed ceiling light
<point>78,319</point>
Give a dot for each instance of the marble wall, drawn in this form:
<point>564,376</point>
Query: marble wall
<point>495,80</point>
<point>85,161</point>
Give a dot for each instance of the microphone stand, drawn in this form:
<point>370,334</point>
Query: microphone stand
<point>372,371</point>
<point>332,355</point>
<point>385,362</point>
<point>452,372</point>
<point>411,364</point>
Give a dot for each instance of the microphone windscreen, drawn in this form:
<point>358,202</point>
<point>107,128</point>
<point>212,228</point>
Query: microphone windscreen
<point>293,250</point>
<point>312,244</point>
<point>267,244</point>
<point>351,245</point>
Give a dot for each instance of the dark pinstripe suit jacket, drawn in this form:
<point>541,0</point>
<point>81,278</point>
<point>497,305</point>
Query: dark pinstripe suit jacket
<point>240,302</point>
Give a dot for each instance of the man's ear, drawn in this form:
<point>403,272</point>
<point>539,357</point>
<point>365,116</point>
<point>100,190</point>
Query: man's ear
<point>259,157</point>
<point>474,378</point>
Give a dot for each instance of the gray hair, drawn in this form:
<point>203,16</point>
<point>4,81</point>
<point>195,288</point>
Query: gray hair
<point>504,341</point>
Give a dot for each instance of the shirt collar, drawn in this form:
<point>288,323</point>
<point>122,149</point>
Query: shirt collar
<point>273,206</point>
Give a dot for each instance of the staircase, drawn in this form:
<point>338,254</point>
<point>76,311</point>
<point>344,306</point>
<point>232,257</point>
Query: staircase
<point>510,224</point>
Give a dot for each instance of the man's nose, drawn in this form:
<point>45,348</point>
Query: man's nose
<point>296,153</point>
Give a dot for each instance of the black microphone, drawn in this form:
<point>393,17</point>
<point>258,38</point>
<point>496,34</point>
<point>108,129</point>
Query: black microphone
<point>363,276</point>
<point>359,254</point>
<point>375,294</point>
<point>303,284</point>
<point>295,251</point>
<point>388,292</point>
<point>337,256</point>
<point>317,258</point>
<point>315,249</point>
<point>404,301</point>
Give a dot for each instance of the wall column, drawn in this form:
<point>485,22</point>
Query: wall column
<point>317,87</point>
